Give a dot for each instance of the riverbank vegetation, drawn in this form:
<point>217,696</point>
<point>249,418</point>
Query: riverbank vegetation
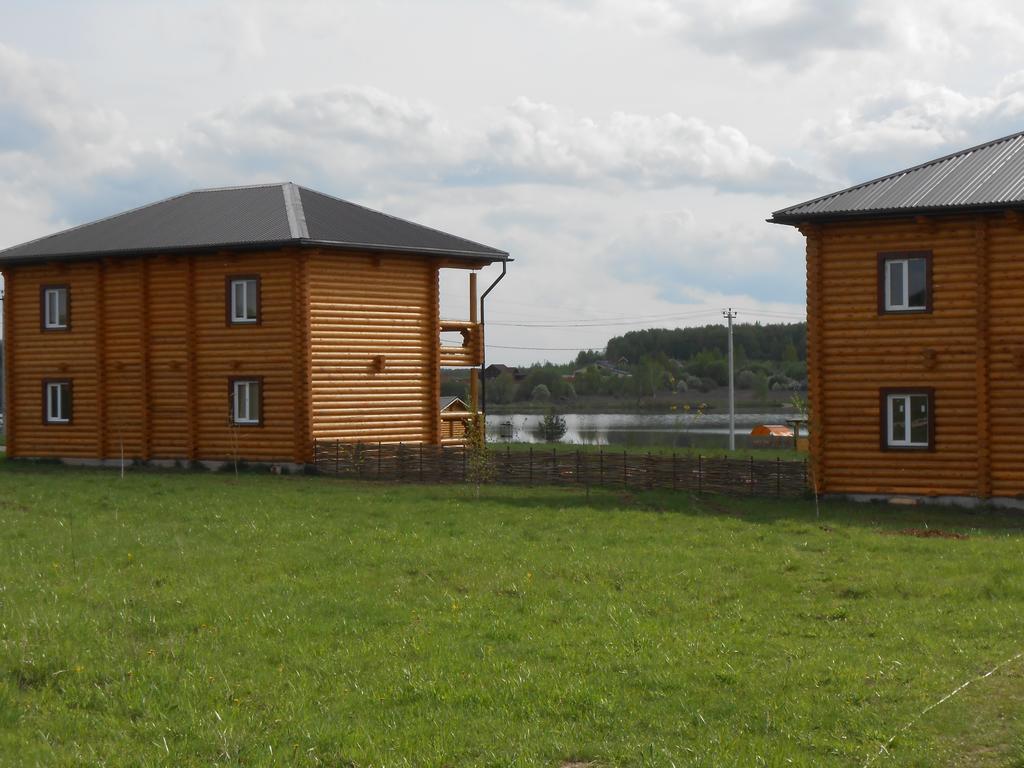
<point>188,619</point>
<point>656,370</point>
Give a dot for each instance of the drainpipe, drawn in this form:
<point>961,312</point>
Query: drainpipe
<point>483,351</point>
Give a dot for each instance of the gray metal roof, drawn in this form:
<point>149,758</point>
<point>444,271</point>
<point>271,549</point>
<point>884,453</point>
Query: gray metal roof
<point>448,400</point>
<point>990,175</point>
<point>270,215</point>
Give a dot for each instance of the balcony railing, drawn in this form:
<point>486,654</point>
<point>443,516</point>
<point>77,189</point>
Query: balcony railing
<point>455,425</point>
<point>471,351</point>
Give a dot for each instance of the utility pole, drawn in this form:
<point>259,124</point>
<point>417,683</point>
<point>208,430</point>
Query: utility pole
<point>729,315</point>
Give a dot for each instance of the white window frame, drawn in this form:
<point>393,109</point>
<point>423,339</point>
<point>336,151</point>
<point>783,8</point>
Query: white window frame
<point>890,439</point>
<point>52,310</point>
<point>57,415</point>
<point>240,310</point>
<point>249,386</point>
<point>904,301</point>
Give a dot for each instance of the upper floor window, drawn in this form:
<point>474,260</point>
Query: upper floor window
<point>57,402</point>
<point>247,401</point>
<point>244,300</point>
<point>905,282</point>
<point>56,306</point>
<point>908,420</point>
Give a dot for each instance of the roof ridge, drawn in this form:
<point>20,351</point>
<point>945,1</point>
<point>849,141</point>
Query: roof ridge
<point>903,172</point>
<point>297,226</point>
<point>404,221</point>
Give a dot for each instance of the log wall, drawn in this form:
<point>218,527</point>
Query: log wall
<point>374,344</point>
<point>969,348</point>
<point>150,354</point>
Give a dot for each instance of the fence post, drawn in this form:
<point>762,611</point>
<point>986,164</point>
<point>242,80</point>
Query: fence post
<point>700,473</point>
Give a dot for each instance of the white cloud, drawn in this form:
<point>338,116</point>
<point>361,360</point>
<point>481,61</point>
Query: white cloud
<point>911,122</point>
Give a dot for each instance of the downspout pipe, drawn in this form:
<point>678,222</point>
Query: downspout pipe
<point>483,351</point>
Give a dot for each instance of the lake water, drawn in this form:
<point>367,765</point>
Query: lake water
<point>637,430</point>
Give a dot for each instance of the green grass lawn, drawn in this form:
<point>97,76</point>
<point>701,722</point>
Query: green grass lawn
<point>175,619</point>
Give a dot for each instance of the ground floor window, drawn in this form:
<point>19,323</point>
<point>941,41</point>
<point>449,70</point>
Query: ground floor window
<point>908,419</point>
<point>57,401</point>
<point>246,401</point>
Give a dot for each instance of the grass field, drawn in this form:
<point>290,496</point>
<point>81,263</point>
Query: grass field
<point>176,619</point>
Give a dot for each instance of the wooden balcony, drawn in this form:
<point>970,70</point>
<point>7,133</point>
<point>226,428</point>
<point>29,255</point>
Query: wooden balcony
<point>471,351</point>
<point>455,425</point>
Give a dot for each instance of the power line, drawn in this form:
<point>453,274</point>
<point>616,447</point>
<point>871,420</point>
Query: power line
<point>546,349</point>
<point>602,324</point>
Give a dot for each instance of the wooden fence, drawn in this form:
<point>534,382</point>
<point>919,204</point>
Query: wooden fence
<point>551,466</point>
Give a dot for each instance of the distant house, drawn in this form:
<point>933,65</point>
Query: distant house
<point>915,294</point>
<point>495,370</point>
<point>454,415</point>
<point>244,321</point>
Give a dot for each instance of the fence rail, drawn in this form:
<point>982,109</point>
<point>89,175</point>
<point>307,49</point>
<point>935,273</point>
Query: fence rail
<point>454,464</point>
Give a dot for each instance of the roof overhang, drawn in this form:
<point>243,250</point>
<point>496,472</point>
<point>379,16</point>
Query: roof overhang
<point>471,256</point>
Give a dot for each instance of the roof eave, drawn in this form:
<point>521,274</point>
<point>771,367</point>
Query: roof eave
<point>795,219</point>
<point>268,245</point>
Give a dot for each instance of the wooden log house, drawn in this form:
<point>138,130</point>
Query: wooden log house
<point>243,321</point>
<point>915,308</point>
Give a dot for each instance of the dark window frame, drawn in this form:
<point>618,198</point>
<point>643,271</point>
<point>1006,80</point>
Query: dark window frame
<point>883,407</point>
<point>883,259</point>
<point>229,315</point>
<point>231,401</point>
<point>66,287</point>
<point>46,403</point>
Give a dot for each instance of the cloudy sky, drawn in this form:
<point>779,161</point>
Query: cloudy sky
<point>626,152</point>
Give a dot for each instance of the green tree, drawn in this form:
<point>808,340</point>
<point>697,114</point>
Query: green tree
<point>502,389</point>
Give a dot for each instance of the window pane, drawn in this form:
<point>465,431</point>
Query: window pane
<point>250,299</point>
<point>241,401</point>
<point>51,402</point>
<point>254,401</point>
<point>237,300</point>
<point>898,419</point>
<point>896,284</point>
<point>917,280</point>
<point>62,307</point>
<point>919,419</point>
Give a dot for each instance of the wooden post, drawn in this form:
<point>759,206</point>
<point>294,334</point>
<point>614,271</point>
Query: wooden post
<point>9,366</point>
<point>982,359</point>
<point>101,360</point>
<point>191,361</point>
<point>474,377</point>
